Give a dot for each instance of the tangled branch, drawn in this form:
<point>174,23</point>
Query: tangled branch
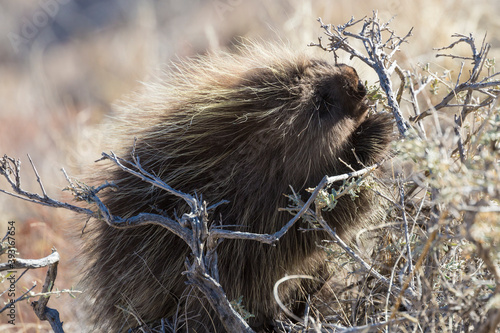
<point>379,53</point>
<point>192,227</point>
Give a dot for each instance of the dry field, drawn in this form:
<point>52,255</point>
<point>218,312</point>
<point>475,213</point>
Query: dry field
<point>63,63</point>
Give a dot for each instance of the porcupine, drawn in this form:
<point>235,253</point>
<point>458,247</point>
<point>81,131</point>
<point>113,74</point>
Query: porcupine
<point>242,127</point>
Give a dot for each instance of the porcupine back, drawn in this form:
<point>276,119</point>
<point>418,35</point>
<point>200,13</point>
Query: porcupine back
<point>239,127</point>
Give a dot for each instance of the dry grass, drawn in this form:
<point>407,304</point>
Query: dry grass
<point>57,90</point>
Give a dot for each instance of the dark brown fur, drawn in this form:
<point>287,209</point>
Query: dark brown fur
<point>241,128</point>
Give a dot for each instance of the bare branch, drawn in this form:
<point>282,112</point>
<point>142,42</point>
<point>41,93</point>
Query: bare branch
<point>20,298</point>
<point>37,177</point>
<point>11,170</point>
<point>364,171</point>
<point>42,311</point>
<point>478,59</point>
<point>192,229</point>
<point>31,263</point>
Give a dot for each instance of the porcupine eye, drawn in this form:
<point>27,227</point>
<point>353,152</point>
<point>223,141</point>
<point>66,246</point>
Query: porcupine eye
<point>335,99</point>
<point>325,103</point>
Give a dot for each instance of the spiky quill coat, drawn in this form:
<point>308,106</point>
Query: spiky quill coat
<point>239,127</point>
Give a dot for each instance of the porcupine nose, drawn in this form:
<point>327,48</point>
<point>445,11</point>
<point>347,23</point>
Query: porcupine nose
<point>361,90</point>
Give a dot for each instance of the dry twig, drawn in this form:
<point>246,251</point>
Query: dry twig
<point>379,53</point>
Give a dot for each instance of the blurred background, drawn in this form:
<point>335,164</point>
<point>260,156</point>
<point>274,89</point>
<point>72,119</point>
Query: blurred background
<point>63,63</point>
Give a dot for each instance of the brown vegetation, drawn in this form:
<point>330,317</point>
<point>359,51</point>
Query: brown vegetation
<point>54,97</point>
